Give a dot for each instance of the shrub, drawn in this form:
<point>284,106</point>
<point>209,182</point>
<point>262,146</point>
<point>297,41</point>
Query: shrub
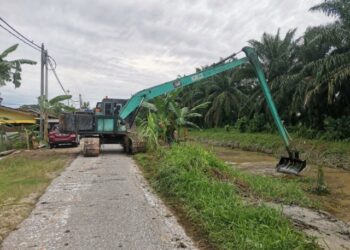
<point>337,129</point>
<point>242,124</point>
<point>257,123</point>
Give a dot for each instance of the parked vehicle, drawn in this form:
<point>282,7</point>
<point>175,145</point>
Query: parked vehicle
<point>56,138</point>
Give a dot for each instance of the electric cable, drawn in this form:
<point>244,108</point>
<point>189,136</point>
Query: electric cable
<point>30,41</point>
<point>56,76</point>
<point>32,46</point>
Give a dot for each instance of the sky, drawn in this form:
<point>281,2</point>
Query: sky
<point>116,48</point>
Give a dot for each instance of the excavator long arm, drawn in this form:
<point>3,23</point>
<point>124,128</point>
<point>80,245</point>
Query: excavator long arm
<point>291,164</point>
<point>147,94</point>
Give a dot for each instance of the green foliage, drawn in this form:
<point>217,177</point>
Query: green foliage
<point>321,186</point>
<point>308,77</point>
<point>205,188</point>
<point>337,129</point>
<point>164,116</point>
<point>151,131</point>
<point>10,71</point>
<point>242,124</point>
<point>55,105</point>
<point>257,123</point>
<point>315,151</point>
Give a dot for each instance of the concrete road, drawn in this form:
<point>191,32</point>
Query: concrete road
<point>99,203</point>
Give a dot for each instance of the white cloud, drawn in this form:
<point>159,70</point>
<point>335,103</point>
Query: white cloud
<point>117,48</point>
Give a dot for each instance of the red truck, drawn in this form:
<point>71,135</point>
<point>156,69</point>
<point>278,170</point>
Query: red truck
<point>56,138</point>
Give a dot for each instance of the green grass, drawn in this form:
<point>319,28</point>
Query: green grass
<point>23,178</point>
<point>319,152</point>
<point>210,193</point>
<point>24,174</point>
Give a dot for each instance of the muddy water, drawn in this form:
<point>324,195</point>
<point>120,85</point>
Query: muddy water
<point>337,180</point>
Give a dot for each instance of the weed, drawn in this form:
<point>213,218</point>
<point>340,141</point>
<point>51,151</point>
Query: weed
<point>321,186</point>
<point>207,189</point>
<point>318,152</point>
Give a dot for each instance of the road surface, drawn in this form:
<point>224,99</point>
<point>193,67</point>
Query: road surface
<point>99,203</point>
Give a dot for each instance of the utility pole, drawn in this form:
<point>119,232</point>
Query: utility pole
<point>80,101</point>
<point>46,115</point>
<point>42,90</point>
<point>46,75</point>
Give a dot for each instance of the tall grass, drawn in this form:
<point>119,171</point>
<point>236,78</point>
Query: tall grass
<point>319,152</point>
<point>207,190</point>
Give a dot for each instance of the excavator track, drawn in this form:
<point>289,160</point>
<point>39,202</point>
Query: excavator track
<point>91,146</point>
<point>133,143</point>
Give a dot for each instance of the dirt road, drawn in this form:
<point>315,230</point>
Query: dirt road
<point>99,203</point>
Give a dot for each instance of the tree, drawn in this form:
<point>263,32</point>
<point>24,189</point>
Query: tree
<point>183,115</point>
<point>53,106</point>
<point>10,70</point>
<point>226,96</point>
<point>86,105</point>
<point>277,53</point>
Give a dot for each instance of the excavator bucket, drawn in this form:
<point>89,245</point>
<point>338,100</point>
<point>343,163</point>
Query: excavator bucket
<point>291,164</point>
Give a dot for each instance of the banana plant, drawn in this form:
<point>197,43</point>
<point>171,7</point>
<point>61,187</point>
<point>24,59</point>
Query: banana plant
<point>183,115</point>
<point>53,106</point>
<point>10,70</point>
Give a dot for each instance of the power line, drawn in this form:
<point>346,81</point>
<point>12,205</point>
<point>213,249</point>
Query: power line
<point>27,41</point>
<point>30,41</point>
<point>56,76</point>
<point>54,61</point>
<point>33,45</point>
<point>20,38</point>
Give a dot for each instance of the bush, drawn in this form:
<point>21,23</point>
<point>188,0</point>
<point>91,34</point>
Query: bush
<point>307,133</point>
<point>257,123</point>
<point>242,124</point>
<point>337,129</point>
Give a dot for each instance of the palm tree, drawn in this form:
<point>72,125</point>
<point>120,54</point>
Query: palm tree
<point>277,54</point>
<point>336,8</point>
<point>325,59</point>
<point>226,95</point>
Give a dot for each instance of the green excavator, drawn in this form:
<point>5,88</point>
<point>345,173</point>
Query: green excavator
<point>113,119</point>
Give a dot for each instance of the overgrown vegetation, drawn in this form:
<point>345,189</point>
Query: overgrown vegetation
<point>163,120</point>
<point>210,195</point>
<point>308,76</point>
<point>315,151</point>
<point>23,178</point>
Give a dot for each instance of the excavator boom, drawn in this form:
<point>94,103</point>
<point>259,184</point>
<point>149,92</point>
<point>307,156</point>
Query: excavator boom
<point>290,165</point>
<point>113,118</point>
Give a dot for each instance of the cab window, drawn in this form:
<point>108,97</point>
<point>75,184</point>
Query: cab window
<point>108,108</point>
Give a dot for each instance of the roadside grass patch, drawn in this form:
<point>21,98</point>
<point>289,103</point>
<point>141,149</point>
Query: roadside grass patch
<point>23,178</point>
<point>208,191</point>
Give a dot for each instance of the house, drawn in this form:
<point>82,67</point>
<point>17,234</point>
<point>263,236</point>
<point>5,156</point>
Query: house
<point>11,116</point>
<point>20,117</point>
